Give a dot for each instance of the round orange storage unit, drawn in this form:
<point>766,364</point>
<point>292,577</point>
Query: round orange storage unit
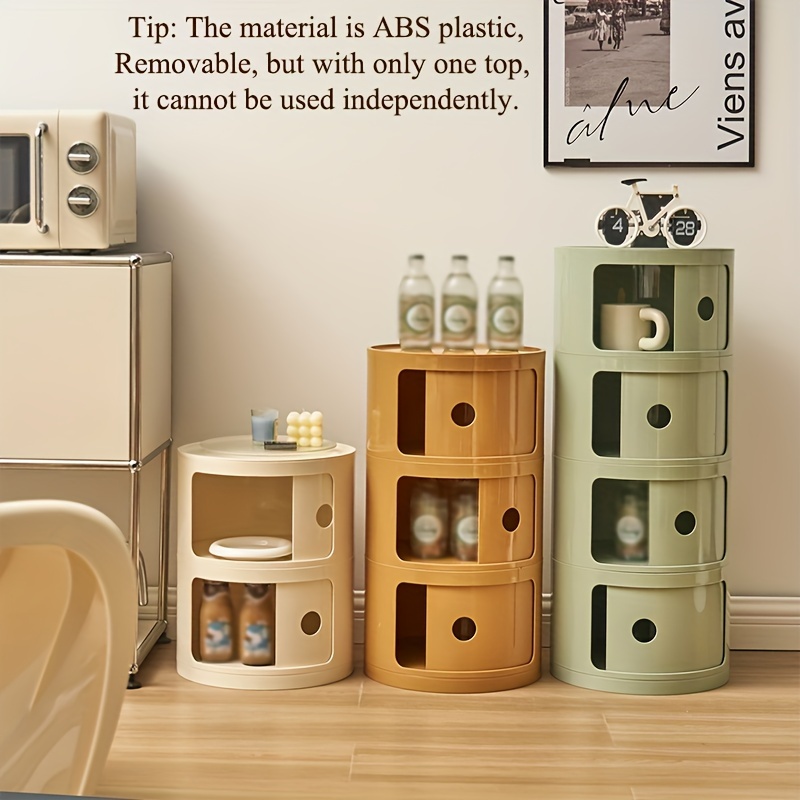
<point>454,518</point>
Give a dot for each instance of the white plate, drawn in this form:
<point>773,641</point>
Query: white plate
<point>256,548</point>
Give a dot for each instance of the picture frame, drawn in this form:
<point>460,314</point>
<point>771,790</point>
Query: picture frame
<point>675,89</point>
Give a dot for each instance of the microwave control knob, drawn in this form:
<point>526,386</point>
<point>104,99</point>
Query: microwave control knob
<point>83,201</point>
<point>83,157</point>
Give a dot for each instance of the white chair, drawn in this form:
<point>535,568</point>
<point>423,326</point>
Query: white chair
<point>67,639</point>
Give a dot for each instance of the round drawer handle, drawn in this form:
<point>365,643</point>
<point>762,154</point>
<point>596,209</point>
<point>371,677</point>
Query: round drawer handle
<point>464,629</point>
<point>685,523</point>
<point>705,309</point>
<point>644,630</point>
<point>463,414</point>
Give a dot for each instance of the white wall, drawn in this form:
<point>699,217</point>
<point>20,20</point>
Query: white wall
<point>290,230</point>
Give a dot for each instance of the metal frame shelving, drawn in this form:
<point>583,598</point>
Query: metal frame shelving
<point>139,454</point>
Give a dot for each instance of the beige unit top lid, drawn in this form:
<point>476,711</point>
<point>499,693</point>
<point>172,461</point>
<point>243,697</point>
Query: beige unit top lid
<point>243,448</point>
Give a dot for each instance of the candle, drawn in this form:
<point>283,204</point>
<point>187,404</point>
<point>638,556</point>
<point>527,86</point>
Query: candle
<point>305,428</point>
<point>264,424</point>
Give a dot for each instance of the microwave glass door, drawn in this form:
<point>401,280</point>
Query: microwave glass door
<point>15,180</point>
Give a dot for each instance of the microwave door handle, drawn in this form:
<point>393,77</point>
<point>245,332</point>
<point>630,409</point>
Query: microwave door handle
<point>41,226</point>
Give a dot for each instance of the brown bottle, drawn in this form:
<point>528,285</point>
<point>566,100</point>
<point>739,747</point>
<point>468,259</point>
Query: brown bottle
<point>257,625</point>
<point>216,618</point>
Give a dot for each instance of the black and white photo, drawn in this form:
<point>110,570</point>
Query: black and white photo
<point>658,82</point>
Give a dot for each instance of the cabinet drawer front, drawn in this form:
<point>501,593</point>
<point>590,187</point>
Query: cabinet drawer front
<point>480,414</point>
<point>701,308</point>
<point>682,514</point>
<point>509,512</point>
<point>692,288</point>
<point>655,634</point>
<point>303,623</point>
<point>479,628</point>
<point>664,630</point>
<point>65,344</point>
<point>637,409</point>
<point>673,416</point>
<point>482,404</point>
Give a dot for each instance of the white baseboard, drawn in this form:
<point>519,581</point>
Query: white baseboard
<point>765,623</point>
<point>756,623</point>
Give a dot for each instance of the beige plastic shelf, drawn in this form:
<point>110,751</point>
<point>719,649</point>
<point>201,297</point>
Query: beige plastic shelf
<point>227,487</point>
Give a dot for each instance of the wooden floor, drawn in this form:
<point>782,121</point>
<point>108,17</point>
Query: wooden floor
<point>360,739</point>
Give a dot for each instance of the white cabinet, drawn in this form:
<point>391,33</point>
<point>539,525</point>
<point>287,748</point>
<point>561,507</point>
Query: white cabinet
<point>85,383</point>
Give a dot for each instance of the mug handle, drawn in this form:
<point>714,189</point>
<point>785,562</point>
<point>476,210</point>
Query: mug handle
<point>659,319</point>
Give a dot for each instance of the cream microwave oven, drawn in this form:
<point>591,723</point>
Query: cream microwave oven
<point>67,180</point>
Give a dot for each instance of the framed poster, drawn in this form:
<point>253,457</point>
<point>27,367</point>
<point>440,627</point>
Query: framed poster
<point>649,82</point>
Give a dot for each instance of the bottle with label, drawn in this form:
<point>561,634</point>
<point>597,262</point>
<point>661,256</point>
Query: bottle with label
<point>257,625</point>
<point>459,307</point>
<point>216,622</point>
<point>504,308</point>
<point>631,524</point>
<point>416,304</point>
<point>464,520</point>
<point>428,518</point>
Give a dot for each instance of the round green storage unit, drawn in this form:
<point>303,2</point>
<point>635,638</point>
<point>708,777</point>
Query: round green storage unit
<point>642,461</point>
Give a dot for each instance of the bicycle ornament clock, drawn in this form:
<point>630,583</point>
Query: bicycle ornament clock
<point>651,220</point>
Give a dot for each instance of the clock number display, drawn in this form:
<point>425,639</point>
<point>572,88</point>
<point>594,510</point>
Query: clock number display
<point>684,227</point>
<point>614,226</point>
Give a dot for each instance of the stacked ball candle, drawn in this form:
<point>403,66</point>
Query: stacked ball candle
<point>305,428</point>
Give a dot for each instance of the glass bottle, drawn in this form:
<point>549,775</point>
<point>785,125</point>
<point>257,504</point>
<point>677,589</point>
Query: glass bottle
<point>504,308</point>
<point>459,307</point>
<point>216,622</point>
<point>416,307</point>
<point>631,524</point>
<point>428,534</point>
<point>257,625</point>
<point>464,520</point>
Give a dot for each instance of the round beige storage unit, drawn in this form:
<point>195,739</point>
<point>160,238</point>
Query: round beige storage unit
<point>269,530</point>
<point>454,519</point>
<point>642,460</point>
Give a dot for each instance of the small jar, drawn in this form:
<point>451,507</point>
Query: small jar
<point>428,518</point>
<point>464,520</point>
<point>631,525</point>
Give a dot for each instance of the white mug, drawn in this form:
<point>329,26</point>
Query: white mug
<point>626,326</point>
